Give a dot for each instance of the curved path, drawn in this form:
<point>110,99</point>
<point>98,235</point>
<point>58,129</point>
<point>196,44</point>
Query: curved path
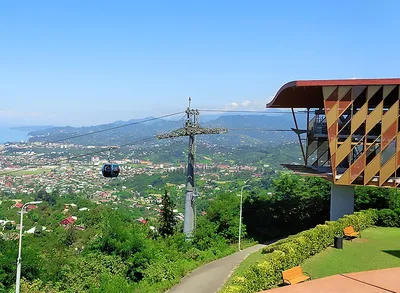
<point>210,277</point>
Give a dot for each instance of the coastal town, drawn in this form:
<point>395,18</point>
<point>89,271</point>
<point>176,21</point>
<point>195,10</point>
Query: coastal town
<point>28,168</point>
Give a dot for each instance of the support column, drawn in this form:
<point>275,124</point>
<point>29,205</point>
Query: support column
<point>188,223</point>
<point>342,201</point>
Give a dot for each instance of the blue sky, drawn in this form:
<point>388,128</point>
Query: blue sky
<point>90,62</point>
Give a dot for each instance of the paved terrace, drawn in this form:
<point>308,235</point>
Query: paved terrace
<point>377,281</point>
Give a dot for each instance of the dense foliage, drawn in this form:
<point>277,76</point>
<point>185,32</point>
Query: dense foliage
<point>378,198</point>
<point>114,252</point>
<point>297,203</point>
<point>108,250</point>
<point>294,204</point>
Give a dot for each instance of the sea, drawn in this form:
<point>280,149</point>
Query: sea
<point>7,134</point>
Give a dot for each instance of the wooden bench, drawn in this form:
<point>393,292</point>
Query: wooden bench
<point>349,233</point>
<point>295,275</point>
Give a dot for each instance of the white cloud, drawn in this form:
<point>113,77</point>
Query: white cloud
<point>248,105</point>
<point>231,106</point>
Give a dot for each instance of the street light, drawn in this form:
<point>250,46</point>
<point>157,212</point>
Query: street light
<point>17,282</point>
<point>240,216</point>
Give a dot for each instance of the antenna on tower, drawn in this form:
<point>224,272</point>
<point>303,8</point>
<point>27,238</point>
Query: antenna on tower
<point>191,128</point>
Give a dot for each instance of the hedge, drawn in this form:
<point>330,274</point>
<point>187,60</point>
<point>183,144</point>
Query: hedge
<point>294,250</point>
<point>388,218</point>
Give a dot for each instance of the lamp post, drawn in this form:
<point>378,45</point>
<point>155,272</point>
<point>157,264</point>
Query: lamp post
<point>240,216</point>
<point>17,282</point>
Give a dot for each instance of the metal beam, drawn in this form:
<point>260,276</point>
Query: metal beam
<point>298,135</point>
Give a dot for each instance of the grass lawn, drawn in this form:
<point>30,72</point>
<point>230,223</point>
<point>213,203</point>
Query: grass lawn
<point>136,166</point>
<point>26,172</point>
<point>378,248</point>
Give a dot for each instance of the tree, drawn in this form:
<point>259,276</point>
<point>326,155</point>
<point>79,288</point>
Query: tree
<point>373,197</point>
<point>69,236</point>
<point>38,231</point>
<point>9,226</point>
<point>167,223</point>
<point>45,196</point>
<point>295,204</point>
<point>224,212</point>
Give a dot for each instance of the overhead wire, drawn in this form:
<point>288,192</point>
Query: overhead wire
<point>149,138</point>
<point>99,131</point>
<point>262,129</point>
<point>116,127</point>
<point>251,111</point>
<point>180,121</point>
<point>174,126</point>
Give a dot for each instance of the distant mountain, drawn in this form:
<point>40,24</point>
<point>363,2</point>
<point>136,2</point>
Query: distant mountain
<point>243,129</point>
<point>249,122</point>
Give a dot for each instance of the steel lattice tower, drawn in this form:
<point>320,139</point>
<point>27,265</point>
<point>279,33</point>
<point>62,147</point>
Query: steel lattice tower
<point>191,129</point>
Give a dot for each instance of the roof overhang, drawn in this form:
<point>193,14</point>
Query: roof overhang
<point>308,93</point>
<point>306,171</point>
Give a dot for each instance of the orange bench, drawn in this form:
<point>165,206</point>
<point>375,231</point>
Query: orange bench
<point>350,233</point>
<point>295,275</point>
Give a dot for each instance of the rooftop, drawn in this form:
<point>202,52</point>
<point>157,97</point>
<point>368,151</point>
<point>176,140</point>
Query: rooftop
<point>308,93</point>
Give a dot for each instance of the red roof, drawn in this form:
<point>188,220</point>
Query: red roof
<point>308,93</point>
<point>19,205</point>
<point>142,220</point>
<point>69,220</point>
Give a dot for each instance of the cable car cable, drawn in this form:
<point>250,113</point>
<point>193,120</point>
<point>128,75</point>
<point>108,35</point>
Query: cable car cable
<point>94,132</point>
<point>251,111</point>
<point>262,129</point>
<point>149,138</point>
<point>116,127</point>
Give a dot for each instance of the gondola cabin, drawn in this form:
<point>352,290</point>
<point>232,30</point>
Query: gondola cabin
<point>110,170</point>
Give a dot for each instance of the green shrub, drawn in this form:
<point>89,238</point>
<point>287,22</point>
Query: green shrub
<point>294,250</point>
<point>388,218</point>
<point>163,270</point>
<point>397,211</point>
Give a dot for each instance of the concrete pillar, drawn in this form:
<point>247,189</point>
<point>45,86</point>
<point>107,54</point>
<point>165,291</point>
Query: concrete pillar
<point>342,201</point>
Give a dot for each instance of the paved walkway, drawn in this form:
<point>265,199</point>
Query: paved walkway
<point>377,281</point>
<point>212,276</point>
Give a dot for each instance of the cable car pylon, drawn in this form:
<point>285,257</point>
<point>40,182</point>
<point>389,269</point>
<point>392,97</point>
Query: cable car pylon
<point>191,129</point>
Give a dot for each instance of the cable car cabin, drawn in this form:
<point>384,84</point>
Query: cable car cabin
<point>110,170</point>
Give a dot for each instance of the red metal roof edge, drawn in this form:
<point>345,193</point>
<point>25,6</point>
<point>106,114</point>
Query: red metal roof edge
<point>352,81</point>
<point>335,82</point>
<point>285,86</point>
